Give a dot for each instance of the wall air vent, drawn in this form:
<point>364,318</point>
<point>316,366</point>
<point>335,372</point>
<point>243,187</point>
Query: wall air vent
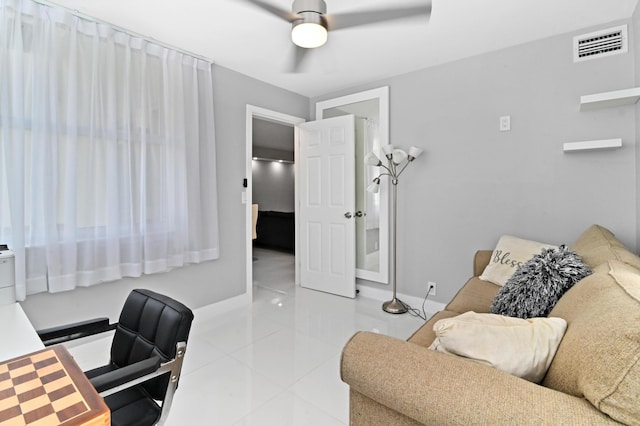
<point>599,44</point>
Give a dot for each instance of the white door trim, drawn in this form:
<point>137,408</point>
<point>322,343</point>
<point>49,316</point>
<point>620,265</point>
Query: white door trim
<point>247,196</point>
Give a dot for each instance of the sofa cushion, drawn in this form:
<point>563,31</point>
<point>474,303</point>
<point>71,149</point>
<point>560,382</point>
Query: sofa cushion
<point>536,286</point>
<point>517,346</point>
<point>597,245</point>
<point>599,357</point>
<point>476,295</point>
<point>510,253</point>
<point>424,335</point>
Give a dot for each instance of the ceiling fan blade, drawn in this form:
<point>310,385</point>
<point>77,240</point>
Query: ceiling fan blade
<point>298,58</point>
<point>356,19</point>
<point>274,10</point>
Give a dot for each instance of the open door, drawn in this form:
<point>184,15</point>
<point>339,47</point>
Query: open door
<point>327,205</point>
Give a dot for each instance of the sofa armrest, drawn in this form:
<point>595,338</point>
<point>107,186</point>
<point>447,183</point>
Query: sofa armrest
<point>435,388</point>
<point>480,261</point>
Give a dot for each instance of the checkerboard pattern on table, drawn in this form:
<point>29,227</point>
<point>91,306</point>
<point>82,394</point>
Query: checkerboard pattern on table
<point>36,390</point>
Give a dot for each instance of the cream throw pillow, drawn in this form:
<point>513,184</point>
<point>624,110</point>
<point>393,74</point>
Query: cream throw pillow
<point>522,347</point>
<point>509,255</point>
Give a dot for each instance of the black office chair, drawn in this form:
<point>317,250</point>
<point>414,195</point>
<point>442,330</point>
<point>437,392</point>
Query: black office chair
<point>147,351</point>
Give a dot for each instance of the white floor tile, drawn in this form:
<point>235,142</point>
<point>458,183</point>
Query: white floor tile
<point>273,363</point>
<point>324,389</point>
<point>285,356</point>
<point>199,354</point>
<point>93,352</point>
<point>239,331</point>
<point>289,410</point>
<point>220,393</point>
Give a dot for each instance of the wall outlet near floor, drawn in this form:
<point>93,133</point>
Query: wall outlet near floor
<point>433,290</point>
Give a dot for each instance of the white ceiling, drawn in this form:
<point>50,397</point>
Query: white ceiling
<point>236,35</point>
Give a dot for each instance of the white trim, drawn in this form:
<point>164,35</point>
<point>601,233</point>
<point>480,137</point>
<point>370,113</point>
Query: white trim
<point>382,94</point>
<point>383,295</point>
<point>247,196</point>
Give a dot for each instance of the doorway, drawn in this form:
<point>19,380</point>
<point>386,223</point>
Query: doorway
<point>262,117</point>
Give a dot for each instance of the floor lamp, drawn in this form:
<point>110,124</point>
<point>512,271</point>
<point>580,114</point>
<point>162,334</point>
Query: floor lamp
<point>398,160</point>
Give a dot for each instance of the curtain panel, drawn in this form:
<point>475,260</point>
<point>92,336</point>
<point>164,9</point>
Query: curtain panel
<point>107,152</point>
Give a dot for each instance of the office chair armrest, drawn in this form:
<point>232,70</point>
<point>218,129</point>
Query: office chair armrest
<point>67,332</point>
<point>125,374</point>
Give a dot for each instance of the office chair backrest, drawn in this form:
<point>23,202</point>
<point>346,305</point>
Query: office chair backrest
<point>150,325</point>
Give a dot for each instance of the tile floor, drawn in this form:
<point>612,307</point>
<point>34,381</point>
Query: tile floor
<point>275,362</point>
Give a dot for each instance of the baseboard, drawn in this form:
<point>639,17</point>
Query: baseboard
<point>383,295</point>
<point>228,305</point>
<point>206,312</point>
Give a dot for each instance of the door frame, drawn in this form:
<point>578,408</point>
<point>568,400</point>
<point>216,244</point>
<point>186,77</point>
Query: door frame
<point>247,194</point>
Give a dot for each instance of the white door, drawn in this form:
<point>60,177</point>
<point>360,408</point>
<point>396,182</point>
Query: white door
<point>327,205</point>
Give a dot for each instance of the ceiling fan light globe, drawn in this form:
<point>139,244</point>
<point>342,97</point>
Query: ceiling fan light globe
<point>309,35</point>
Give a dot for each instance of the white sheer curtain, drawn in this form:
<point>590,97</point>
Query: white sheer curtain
<point>107,152</point>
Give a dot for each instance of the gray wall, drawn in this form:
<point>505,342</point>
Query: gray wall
<point>472,185</point>
<point>475,183</point>
<point>209,282</point>
<point>273,186</point>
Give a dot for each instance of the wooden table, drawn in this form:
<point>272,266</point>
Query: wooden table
<point>47,387</point>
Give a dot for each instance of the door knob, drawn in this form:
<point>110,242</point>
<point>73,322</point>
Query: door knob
<point>348,215</point>
<point>359,214</point>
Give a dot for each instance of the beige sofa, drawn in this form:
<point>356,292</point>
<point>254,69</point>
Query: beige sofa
<point>593,379</point>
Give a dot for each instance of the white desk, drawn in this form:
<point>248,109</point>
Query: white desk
<point>17,335</point>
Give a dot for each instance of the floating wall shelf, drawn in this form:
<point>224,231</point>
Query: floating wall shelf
<point>593,145</point>
<point>610,99</point>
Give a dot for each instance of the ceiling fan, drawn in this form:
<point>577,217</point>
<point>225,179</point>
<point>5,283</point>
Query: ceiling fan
<point>310,22</point>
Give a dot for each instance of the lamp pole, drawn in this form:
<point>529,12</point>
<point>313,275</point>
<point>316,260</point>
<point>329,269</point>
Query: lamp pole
<point>394,306</point>
<point>396,157</point>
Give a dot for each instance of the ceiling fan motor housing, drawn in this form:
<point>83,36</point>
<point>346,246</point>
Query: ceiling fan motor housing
<point>309,12</point>
<point>316,6</point>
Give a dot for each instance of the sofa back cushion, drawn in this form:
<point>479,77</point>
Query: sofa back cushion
<point>510,253</point>
<point>599,356</point>
<point>476,295</point>
<point>598,245</point>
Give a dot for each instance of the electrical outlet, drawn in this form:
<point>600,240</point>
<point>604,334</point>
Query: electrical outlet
<point>433,290</point>
<point>505,123</point>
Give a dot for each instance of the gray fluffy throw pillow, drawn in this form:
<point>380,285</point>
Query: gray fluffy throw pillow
<point>536,286</point>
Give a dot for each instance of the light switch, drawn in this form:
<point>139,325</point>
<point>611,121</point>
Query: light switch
<point>505,123</point>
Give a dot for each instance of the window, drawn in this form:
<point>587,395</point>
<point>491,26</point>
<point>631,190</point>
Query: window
<point>107,151</point>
